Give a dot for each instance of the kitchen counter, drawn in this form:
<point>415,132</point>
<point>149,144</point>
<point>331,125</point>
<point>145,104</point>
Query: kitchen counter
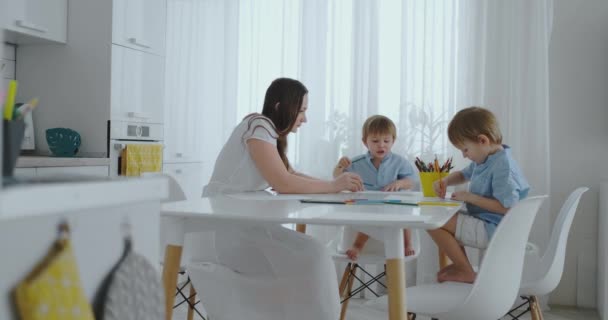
<point>100,214</point>
<point>63,195</point>
<point>48,161</point>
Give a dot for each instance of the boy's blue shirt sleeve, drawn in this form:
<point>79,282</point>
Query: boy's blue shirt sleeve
<point>406,170</point>
<point>352,167</point>
<point>505,188</point>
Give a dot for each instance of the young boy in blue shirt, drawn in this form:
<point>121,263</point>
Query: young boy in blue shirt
<point>496,185</point>
<point>380,169</point>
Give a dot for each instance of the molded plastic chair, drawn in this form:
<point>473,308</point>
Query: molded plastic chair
<point>372,253</point>
<point>176,193</point>
<point>497,283</point>
<point>541,275</point>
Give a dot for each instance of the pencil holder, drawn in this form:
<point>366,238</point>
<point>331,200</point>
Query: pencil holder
<point>12,137</point>
<point>426,182</point>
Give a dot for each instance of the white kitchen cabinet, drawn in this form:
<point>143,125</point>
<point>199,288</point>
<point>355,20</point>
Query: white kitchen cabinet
<point>137,85</point>
<point>140,24</point>
<point>92,80</point>
<point>96,171</point>
<point>190,176</point>
<point>183,133</point>
<point>37,21</point>
<point>24,172</point>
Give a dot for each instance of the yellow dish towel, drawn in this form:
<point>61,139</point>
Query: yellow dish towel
<point>52,290</point>
<point>139,158</point>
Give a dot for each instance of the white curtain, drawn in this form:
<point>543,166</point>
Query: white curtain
<point>418,62</point>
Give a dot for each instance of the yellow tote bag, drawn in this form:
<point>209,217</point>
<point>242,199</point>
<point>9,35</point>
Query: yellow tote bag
<point>52,291</point>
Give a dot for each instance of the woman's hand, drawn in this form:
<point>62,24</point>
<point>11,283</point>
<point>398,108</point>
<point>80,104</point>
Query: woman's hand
<point>348,181</point>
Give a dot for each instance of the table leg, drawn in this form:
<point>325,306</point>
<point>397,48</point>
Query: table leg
<point>395,273</point>
<point>173,255</point>
<point>192,300</point>
<point>301,228</point>
<point>444,261</point>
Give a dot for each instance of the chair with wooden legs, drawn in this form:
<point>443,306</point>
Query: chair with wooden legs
<point>497,283</point>
<point>172,289</point>
<point>541,275</point>
<point>374,256</point>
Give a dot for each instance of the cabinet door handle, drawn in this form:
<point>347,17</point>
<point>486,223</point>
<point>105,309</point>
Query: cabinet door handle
<point>30,26</point>
<point>139,43</point>
<point>179,155</point>
<point>138,115</point>
<point>178,171</point>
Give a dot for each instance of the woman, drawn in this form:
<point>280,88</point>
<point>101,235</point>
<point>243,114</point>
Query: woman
<point>255,155</point>
<point>270,272</point>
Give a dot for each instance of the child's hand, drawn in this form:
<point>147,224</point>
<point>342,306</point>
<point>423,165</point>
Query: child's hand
<point>461,195</point>
<point>344,163</point>
<point>348,181</point>
<point>440,188</point>
<point>393,186</point>
<point>353,253</point>
<point>409,251</point>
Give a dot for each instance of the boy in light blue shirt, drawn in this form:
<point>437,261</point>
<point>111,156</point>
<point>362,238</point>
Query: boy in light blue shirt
<point>380,169</point>
<point>496,185</point>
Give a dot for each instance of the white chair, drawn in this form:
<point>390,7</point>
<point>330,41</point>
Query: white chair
<point>176,193</point>
<point>497,283</point>
<point>541,275</point>
<point>372,254</point>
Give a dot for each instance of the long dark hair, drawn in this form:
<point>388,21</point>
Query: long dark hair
<point>282,104</point>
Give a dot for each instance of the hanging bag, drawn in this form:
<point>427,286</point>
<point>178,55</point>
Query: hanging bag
<point>133,289</point>
<point>52,290</point>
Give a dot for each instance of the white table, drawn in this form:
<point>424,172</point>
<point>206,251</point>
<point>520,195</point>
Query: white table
<point>384,221</point>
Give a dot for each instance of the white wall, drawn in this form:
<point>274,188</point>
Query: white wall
<point>579,134</point>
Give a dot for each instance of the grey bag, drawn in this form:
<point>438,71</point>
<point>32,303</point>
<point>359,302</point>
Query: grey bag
<point>132,291</point>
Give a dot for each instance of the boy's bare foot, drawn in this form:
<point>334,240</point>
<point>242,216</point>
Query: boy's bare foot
<point>353,253</point>
<point>444,270</point>
<point>458,275</point>
<point>409,251</point>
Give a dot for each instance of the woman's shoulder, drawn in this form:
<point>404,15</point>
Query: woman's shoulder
<point>259,126</point>
<point>253,120</point>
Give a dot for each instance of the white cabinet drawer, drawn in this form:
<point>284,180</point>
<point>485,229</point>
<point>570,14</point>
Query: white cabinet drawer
<point>25,172</point>
<point>137,86</point>
<point>97,171</point>
<point>140,24</point>
<point>190,176</point>
<point>39,19</point>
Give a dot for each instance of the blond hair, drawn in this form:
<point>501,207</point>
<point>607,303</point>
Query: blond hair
<point>379,125</point>
<point>469,123</point>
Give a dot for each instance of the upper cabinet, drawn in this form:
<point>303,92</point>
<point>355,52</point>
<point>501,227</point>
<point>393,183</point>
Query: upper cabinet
<point>140,24</point>
<point>112,68</point>
<point>137,86</point>
<point>36,21</point>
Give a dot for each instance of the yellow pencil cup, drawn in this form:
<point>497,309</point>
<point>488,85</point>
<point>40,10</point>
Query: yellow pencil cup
<point>426,182</point>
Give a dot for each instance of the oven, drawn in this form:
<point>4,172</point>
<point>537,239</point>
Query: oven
<point>123,133</point>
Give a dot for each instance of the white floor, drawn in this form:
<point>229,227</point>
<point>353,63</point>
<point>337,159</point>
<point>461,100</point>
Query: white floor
<point>358,312</point>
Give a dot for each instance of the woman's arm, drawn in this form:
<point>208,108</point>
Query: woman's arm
<point>271,167</point>
<point>299,174</point>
